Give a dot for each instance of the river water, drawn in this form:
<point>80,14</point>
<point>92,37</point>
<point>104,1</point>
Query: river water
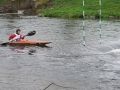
<point>65,64</point>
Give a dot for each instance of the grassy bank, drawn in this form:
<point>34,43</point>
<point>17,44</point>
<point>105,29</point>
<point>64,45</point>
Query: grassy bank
<point>73,8</point>
<point>2,2</point>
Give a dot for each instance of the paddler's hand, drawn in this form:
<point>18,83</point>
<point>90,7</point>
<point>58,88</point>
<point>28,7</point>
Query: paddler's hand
<point>11,40</point>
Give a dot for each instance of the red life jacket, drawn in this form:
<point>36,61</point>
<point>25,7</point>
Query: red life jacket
<point>15,37</point>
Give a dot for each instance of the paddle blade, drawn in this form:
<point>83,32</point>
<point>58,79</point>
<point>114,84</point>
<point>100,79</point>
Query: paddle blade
<point>4,44</point>
<point>31,33</point>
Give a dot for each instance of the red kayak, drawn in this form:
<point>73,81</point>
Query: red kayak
<point>29,42</point>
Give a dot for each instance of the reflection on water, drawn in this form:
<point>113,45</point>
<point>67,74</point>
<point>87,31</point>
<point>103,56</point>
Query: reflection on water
<point>67,64</point>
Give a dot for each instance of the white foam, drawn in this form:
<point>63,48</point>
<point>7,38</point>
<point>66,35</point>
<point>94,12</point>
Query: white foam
<point>114,51</point>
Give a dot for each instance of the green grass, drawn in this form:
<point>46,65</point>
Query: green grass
<point>2,2</point>
<point>73,8</point>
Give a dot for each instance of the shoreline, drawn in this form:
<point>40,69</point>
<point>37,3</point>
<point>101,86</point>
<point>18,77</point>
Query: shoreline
<point>73,9</point>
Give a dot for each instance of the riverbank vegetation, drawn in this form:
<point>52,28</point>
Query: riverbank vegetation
<point>73,9</point>
<point>2,2</point>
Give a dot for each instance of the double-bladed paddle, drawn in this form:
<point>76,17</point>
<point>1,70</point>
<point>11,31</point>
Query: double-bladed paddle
<point>29,34</point>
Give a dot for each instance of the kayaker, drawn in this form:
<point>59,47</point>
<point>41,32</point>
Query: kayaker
<point>16,36</point>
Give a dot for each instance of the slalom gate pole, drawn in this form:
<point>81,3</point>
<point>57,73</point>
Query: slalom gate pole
<point>100,22</point>
<point>84,37</point>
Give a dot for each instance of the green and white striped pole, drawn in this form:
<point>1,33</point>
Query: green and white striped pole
<point>100,5</point>
<point>84,37</point>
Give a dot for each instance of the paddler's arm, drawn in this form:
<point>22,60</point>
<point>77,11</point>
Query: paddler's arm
<point>22,37</point>
<point>11,37</point>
